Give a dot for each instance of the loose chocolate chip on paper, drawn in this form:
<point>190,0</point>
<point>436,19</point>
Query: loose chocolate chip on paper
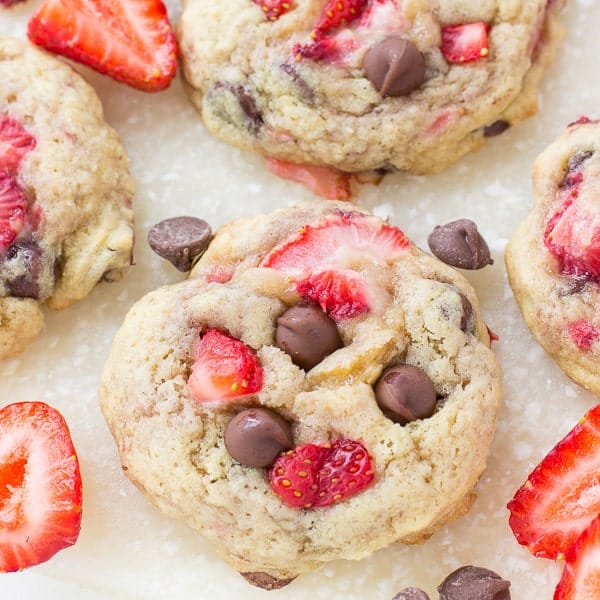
<point>411,594</point>
<point>254,437</point>
<point>405,393</point>
<point>394,66</point>
<point>180,240</point>
<point>474,583</point>
<point>265,581</point>
<point>460,244</point>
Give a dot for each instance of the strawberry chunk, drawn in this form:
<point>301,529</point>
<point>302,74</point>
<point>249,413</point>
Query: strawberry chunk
<point>312,476</point>
<point>40,485</point>
<point>338,13</point>
<point>465,43</point>
<point>561,496</point>
<point>15,143</point>
<point>275,8</point>
<point>224,369</point>
<point>327,182</point>
<point>128,40</point>
<point>13,208</point>
<point>583,334</point>
<point>581,576</point>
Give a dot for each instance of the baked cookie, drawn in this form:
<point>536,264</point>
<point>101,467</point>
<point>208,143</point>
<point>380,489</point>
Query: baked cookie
<point>317,389</point>
<point>553,258</point>
<point>65,192</point>
<point>358,85</point>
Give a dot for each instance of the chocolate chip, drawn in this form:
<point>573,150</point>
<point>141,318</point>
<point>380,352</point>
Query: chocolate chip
<point>495,128</point>
<point>265,581</point>
<point>246,101</point>
<point>466,321</point>
<point>254,437</point>
<point>394,66</point>
<point>573,175</point>
<point>180,240</point>
<point>460,244</point>
<point>26,257</point>
<point>307,334</point>
<point>411,594</point>
<point>405,393</point>
<point>474,583</point>
<point>304,88</point>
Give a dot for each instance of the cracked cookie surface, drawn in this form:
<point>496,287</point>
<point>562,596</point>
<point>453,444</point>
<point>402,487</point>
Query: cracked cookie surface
<point>65,192</point>
<point>174,436</point>
<point>403,85</point>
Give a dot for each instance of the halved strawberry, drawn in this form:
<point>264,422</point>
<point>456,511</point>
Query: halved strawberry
<point>312,476</point>
<point>560,497</point>
<point>128,40</point>
<point>465,43</point>
<point>15,143</point>
<point>322,260</point>
<point>224,369</point>
<point>327,182</point>
<point>581,576</point>
<point>13,207</point>
<point>40,485</point>
<point>275,8</point>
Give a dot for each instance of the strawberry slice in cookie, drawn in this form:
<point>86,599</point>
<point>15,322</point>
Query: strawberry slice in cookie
<point>15,143</point>
<point>324,261</point>
<point>560,497</point>
<point>13,208</point>
<point>128,40</point>
<point>274,9</point>
<point>224,369</point>
<point>40,485</point>
<point>465,43</point>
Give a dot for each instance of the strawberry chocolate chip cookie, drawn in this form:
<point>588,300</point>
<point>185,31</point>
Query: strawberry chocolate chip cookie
<point>553,259</point>
<point>65,192</point>
<point>362,85</point>
<point>316,389</point>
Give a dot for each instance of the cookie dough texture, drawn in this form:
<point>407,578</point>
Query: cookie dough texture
<point>245,80</point>
<point>551,301</point>
<point>77,183</point>
<point>172,447</point>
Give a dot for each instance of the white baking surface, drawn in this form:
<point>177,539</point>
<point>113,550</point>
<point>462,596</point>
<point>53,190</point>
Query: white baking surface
<point>127,549</point>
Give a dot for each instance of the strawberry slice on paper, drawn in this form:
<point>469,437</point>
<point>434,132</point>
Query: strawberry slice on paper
<point>224,369</point>
<point>465,43</point>
<point>561,496</point>
<point>40,485</point>
<point>128,40</point>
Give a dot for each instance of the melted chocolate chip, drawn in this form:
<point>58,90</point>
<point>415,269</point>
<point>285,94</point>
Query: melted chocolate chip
<point>394,66</point>
<point>460,244</point>
<point>254,437</point>
<point>405,393</point>
<point>265,581</point>
<point>307,334</point>
<point>247,103</point>
<point>573,174</point>
<point>411,594</point>
<point>180,240</point>
<point>27,257</point>
<point>466,321</point>
<point>305,90</point>
<point>495,128</point>
<point>474,583</point>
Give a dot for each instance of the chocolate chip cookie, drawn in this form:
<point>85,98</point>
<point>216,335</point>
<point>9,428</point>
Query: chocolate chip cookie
<point>65,192</point>
<point>365,84</point>
<point>316,389</point>
<point>553,258</point>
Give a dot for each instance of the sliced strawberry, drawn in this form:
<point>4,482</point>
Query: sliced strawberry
<point>275,8</point>
<point>338,13</point>
<point>15,143</point>
<point>13,208</point>
<point>40,485</point>
<point>224,369</point>
<point>312,476</point>
<point>560,497</point>
<point>327,182</point>
<point>465,43</point>
<point>581,576</point>
<point>128,40</point>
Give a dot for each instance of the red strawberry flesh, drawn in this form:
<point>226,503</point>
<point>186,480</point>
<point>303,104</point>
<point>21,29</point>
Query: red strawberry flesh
<point>312,476</point>
<point>128,40</point>
<point>465,43</point>
<point>338,13</point>
<point>274,9</point>
<point>224,369</point>
<point>562,494</point>
<point>13,208</point>
<point>40,485</point>
<point>15,143</point>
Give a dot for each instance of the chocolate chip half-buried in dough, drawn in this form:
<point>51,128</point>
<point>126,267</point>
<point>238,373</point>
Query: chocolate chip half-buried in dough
<point>411,594</point>
<point>496,128</point>
<point>474,583</point>
<point>307,334</point>
<point>394,66</point>
<point>460,244</point>
<point>405,393</point>
<point>180,240</point>
<point>254,437</point>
